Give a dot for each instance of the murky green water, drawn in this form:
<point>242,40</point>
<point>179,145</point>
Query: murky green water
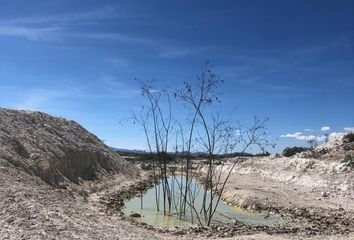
<point>224,213</point>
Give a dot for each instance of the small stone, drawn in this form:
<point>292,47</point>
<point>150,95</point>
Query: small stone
<point>136,215</point>
<point>324,194</point>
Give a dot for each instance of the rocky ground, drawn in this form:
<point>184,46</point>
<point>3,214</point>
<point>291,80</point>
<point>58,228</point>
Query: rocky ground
<point>319,193</point>
<point>292,183</point>
<point>31,209</point>
<point>296,182</point>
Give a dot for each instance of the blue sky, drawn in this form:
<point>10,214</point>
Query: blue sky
<point>292,61</point>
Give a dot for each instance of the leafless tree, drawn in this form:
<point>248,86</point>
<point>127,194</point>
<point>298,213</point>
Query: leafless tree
<point>212,133</point>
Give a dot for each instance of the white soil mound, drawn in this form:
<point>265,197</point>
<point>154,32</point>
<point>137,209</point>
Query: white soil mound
<point>54,149</point>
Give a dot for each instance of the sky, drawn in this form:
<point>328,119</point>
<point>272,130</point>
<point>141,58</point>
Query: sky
<point>291,61</point>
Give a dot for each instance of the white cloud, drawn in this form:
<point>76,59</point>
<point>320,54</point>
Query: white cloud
<point>290,135</point>
<point>321,138</point>
<point>336,134</point>
<point>325,129</point>
<point>308,130</point>
<point>300,136</point>
<point>349,129</point>
<point>306,138</point>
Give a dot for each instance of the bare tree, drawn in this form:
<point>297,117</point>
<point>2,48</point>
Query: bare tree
<point>212,133</point>
<point>157,128</point>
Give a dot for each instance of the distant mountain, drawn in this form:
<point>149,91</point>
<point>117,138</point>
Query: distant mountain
<point>192,154</point>
<point>123,150</point>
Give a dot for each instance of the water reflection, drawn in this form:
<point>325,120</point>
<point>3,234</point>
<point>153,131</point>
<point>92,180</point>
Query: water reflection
<point>146,207</point>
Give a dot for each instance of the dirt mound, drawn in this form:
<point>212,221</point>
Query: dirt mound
<point>336,148</point>
<point>54,149</point>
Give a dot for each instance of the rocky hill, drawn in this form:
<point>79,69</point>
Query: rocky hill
<point>54,149</point>
<point>335,150</point>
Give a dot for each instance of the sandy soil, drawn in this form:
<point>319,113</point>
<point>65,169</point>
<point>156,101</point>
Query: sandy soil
<point>292,183</point>
<point>31,209</point>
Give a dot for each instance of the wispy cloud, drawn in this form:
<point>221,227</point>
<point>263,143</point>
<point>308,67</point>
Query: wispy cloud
<point>178,52</point>
<point>83,26</point>
<point>116,62</point>
<point>54,97</point>
<point>122,37</point>
<point>308,130</point>
<point>56,33</point>
<point>60,26</point>
<point>105,12</point>
<point>259,64</point>
<point>30,33</point>
<point>117,89</point>
<point>46,98</point>
<point>266,68</point>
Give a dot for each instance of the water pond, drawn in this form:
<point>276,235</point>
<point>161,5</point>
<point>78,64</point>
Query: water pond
<point>145,206</point>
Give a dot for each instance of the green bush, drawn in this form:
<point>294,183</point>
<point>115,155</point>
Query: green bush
<point>349,160</point>
<point>153,157</point>
<point>290,151</point>
<point>349,137</point>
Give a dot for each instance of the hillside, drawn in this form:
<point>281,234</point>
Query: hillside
<point>44,162</point>
<point>54,149</point>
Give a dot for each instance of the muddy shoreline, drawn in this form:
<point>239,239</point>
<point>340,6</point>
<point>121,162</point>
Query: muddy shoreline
<point>304,222</point>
